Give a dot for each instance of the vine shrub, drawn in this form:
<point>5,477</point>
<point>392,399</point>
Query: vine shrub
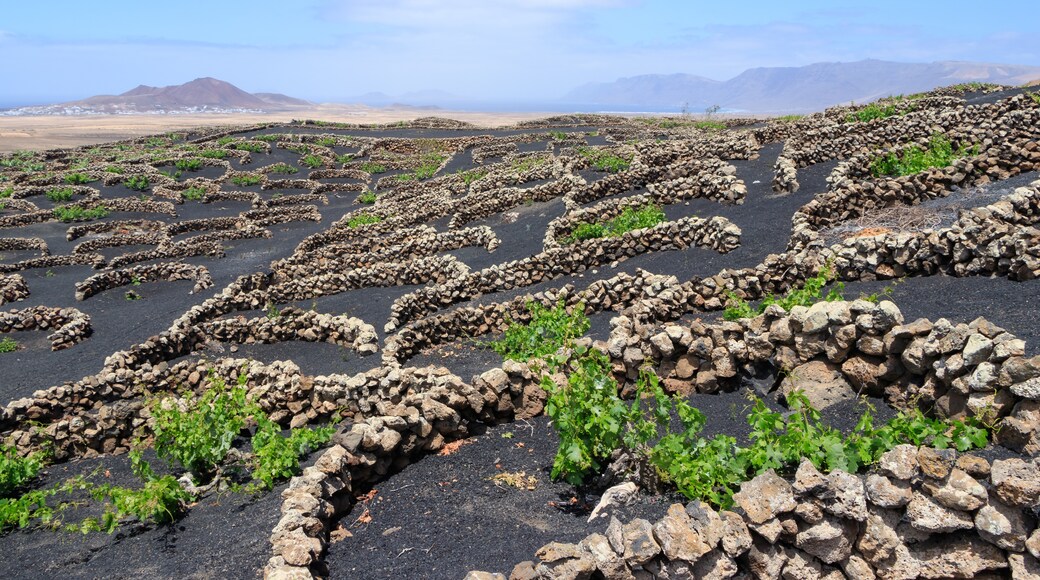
<point>939,153</point>
<point>594,423</point>
<point>15,471</point>
<point>547,331</point>
<point>199,435</point>
<point>629,219</point>
<point>810,293</point>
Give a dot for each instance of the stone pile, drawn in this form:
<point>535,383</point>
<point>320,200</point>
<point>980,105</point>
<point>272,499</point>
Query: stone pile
<point>922,514</point>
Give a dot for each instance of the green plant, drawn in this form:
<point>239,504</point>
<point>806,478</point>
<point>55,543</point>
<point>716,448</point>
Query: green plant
<point>137,182</point>
<point>939,153</point>
<point>246,180</point>
<point>227,140</point>
<point>188,164</point>
<point>372,167</point>
<point>271,311</point>
<point>547,331</point>
<point>199,436</point>
<point>15,470</point>
<point>114,169</point>
<point>367,197</point>
<point>1034,96</point>
<point>525,164</point>
<point>278,457</point>
<point>588,415</point>
<point>363,220</point>
<point>6,192</point>
<point>312,161</point>
<point>77,179</point>
<point>789,118</point>
<point>871,112</point>
<point>213,153</point>
<point>194,193</point>
<point>472,175</point>
<point>629,219</point>
<point>283,168</point>
<point>251,147</point>
<point>269,138</point>
<point>604,160</point>
<point>557,135</point>
<point>130,296</point>
<point>327,141</point>
<point>345,158</point>
<point>71,213</point>
<point>60,194</point>
<point>810,293</point>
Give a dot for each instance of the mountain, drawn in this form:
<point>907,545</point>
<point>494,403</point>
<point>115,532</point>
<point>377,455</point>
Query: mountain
<point>200,95</point>
<point>796,89</point>
<point>279,99</point>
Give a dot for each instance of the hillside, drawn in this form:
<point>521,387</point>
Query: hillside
<point>797,89</point>
<point>200,95</point>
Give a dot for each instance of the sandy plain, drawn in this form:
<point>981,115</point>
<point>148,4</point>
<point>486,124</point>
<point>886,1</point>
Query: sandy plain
<point>56,131</point>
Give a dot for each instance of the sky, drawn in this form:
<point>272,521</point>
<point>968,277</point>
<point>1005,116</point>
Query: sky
<point>490,50</point>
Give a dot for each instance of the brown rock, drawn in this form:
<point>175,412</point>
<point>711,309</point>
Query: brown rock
<point>1016,482</point>
<point>765,496</point>
<point>736,539</point>
<point>1024,567</point>
<point>960,492</point>
<point>936,463</point>
<point>1002,526</point>
<point>888,493</point>
<point>960,556</point>
<point>928,516</point>
<point>830,540</point>
<point>677,538</point>
<point>821,382</point>
<point>899,462</point>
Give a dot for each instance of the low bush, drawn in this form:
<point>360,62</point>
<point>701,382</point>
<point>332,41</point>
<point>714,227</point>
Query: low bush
<point>604,160</point>
<point>468,177</point>
<point>367,197</point>
<point>629,219</point>
<point>595,426</point>
<point>810,293</point>
<point>246,180</point>
<point>214,153</point>
<point>547,331</point>
<point>363,219</point>
<point>283,169</point>
<point>251,147</point>
<point>871,112</point>
<point>137,182</point>
<point>194,193</point>
<point>312,161</point>
<point>188,164</point>
<point>197,433</point>
<point>72,213</point>
<point>939,153</point>
<point>372,167</point>
<point>8,344</point>
<point>77,179</point>
<point>60,194</point>
<point>16,471</point>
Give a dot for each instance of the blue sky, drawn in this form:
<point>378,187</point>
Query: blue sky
<point>506,50</point>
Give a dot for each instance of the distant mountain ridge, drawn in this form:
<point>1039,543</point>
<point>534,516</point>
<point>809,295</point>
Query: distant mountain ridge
<point>796,89</point>
<point>205,94</point>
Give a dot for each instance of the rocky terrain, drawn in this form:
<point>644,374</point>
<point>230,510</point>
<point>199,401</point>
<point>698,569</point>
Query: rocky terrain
<point>355,275</point>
